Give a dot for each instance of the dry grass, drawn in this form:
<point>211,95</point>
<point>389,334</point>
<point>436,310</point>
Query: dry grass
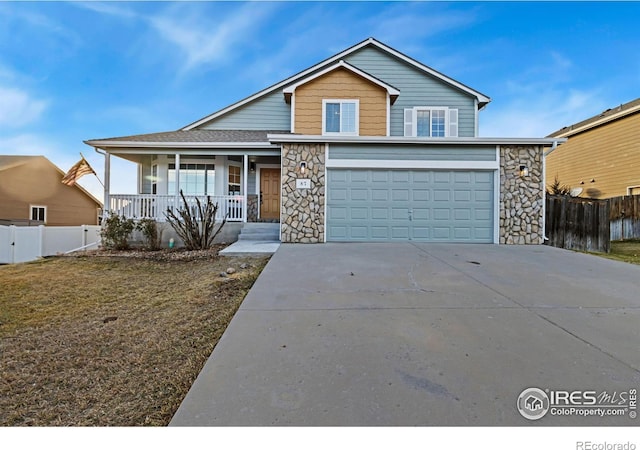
<point>111,340</point>
<point>627,251</point>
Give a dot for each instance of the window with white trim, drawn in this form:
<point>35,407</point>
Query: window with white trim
<point>39,213</point>
<point>234,180</point>
<point>340,116</point>
<point>195,179</point>
<point>430,121</point>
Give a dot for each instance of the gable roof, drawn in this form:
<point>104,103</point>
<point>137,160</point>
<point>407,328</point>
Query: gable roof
<point>605,116</point>
<point>393,92</point>
<point>11,161</point>
<point>482,99</point>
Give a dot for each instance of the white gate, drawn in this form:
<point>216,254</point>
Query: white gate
<point>21,244</point>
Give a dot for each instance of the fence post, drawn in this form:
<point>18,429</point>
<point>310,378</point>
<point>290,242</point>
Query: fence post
<point>12,244</point>
<point>41,231</point>
<point>83,230</point>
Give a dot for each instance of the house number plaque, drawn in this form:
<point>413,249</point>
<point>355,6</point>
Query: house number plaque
<point>303,183</point>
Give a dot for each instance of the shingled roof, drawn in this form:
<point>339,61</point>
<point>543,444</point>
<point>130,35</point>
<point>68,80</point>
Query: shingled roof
<point>199,136</point>
<point>608,115</point>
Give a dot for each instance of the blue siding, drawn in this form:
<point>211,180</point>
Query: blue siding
<point>266,113</point>
<point>413,152</point>
<point>416,89</point>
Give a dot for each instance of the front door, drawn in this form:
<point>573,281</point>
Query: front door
<point>270,194</point>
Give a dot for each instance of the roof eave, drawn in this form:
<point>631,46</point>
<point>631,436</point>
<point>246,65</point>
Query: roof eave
<point>138,144</point>
<point>284,138</point>
<point>596,123</point>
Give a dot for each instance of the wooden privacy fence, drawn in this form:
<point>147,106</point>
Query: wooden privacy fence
<point>624,215</point>
<point>577,223</point>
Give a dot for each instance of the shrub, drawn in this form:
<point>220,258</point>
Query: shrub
<point>195,225</point>
<point>557,188</point>
<point>116,231</point>
<point>151,232</point>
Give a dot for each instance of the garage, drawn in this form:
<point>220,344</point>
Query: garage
<point>375,204</point>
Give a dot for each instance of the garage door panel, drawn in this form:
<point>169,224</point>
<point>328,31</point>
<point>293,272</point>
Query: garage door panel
<point>483,196</point>
<point>359,194</point>
<point>338,194</point>
<point>400,176</point>
<point>462,233</point>
<point>359,176</point>
<point>380,195</point>
<point>400,195</point>
<point>420,195</point>
<point>400,232</point>
<point>442,214</point>
<point>397,205</point>
<point>400,213</point>
<point>337,212</point>
<point>483,178</point>
<point>380,233</point>
<point>482,214</point>
<point>462,177</point>
<point>461,214</point>
<point>441,233</point>
<point>462,195</point>
<point>440,195</point>
<point>442,177</point>
<point>421,214</point>
<point>359,213</point>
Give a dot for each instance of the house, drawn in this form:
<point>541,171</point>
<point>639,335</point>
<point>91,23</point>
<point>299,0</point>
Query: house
<point>32,193</point>
<point>367,145</point>
<point>602,154</point>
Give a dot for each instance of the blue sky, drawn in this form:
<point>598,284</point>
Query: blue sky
<point>72,71</point>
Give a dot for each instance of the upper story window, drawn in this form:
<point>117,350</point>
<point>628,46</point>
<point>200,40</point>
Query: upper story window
<point>429,121</point>
<point>340,117</point>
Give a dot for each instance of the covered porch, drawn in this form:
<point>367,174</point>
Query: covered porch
<point>242,178</point>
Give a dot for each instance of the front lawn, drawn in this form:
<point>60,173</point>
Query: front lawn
<point>112,340</point>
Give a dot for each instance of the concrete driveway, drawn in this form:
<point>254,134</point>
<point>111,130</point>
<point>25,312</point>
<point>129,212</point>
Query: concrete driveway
<point>421,334</point>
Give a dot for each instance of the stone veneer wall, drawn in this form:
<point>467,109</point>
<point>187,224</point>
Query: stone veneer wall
<point>252,208</point>
<point>521,199</point>
<point>302,215</point>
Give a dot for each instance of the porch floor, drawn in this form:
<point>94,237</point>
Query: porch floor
<point>248,247</point>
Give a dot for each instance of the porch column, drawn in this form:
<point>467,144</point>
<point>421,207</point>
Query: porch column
<point>107,183</point>
<point>177,192</point>
<point>245,176</point>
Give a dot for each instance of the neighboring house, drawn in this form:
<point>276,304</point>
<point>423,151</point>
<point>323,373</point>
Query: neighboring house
<point>367,145</point>
<point>31,193</point>
<point>601,158</point>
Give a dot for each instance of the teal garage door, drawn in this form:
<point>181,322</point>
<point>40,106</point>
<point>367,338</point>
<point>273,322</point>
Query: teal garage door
<point>371,205</point>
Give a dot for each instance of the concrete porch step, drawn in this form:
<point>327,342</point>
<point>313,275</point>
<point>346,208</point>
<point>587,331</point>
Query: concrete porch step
<point>260,232</point>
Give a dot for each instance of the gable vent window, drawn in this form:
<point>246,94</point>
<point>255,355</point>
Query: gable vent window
<point>340,117</point>
<point>422,121</point>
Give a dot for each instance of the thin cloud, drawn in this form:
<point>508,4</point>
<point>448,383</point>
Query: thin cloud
<point>18,108</point>
<point>112,9</point>
<point>540,114</point>
<point>207,39</point>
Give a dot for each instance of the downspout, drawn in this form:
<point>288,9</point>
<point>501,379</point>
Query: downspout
<point>544,190</point>
<point>107,180</point>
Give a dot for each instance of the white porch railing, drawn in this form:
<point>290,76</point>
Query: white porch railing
<point>150,206</point>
